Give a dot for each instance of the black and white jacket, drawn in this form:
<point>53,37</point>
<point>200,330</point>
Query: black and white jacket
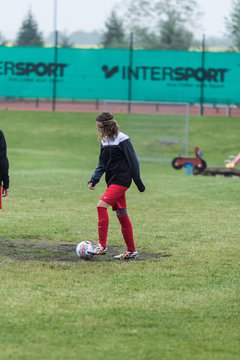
<point>119,162</point>
<point>4,177</point>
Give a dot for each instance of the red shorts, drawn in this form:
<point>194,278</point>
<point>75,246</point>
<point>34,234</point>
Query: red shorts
<point>114,195</point>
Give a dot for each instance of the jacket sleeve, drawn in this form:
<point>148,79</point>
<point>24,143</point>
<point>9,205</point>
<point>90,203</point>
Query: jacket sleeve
<point>4,165</point>
<point>99,171</point>
<point>133,163</point>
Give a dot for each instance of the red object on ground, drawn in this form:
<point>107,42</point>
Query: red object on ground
<point>197,162</point>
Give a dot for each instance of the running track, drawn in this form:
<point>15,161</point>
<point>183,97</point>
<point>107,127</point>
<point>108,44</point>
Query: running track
<point>139,108</point>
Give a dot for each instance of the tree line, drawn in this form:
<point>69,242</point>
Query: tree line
<point>156,24</point>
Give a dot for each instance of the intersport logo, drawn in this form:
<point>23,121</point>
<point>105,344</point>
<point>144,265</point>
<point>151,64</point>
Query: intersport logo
<point>166,73</point>
<point>40,69</point>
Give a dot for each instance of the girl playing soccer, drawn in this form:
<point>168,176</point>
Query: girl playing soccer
<point>119,162</point>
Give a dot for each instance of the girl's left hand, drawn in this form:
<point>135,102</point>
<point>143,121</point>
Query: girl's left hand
<point>4,192</point>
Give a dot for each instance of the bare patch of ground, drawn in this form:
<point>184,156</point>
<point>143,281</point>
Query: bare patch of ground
<point>40,250</point>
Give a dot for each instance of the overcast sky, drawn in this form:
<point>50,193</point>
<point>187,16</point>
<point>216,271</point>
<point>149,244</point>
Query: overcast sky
<point>88,15</point>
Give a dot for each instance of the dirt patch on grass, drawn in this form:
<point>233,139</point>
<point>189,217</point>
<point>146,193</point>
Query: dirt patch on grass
<point>39,250</point>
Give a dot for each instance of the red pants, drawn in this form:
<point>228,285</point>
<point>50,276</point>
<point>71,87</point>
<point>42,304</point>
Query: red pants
<point>114,195</point>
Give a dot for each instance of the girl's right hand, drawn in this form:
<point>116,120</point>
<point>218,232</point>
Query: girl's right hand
<point>90,186</point>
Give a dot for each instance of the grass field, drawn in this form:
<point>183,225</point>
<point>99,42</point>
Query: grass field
<point>179,301</point>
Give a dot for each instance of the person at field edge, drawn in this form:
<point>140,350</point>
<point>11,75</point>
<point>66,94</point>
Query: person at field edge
<point>232,164</point>
<point>4,166</point>
<point>120,164</point>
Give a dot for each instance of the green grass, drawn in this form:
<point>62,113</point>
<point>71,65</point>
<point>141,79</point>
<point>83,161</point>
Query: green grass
<point>183,305</point>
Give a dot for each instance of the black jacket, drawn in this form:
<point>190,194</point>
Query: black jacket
<point>119,162</point>
<point>4,166</point>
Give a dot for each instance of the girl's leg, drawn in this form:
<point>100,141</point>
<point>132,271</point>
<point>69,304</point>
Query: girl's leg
<point>126,227</point>
<point>103,222</point>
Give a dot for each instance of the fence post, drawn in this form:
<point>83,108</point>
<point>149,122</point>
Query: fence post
<point>130,73</point>
<point>202,81</point>
<point>55,56</point>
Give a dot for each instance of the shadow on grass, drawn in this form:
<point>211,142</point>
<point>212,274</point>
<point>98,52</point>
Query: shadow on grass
<point>39,250</point>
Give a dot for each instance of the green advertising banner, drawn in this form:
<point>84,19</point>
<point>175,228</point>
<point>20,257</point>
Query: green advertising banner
<point>154,75</point>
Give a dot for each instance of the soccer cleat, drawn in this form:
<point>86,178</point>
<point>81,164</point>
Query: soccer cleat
<point>100,250</point>
<point>127,255</point>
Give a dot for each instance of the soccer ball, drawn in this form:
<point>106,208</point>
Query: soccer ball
<point>85,250</point>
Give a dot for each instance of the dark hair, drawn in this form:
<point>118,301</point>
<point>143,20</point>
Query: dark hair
<point>109,127</point>
<point>104,116</point>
